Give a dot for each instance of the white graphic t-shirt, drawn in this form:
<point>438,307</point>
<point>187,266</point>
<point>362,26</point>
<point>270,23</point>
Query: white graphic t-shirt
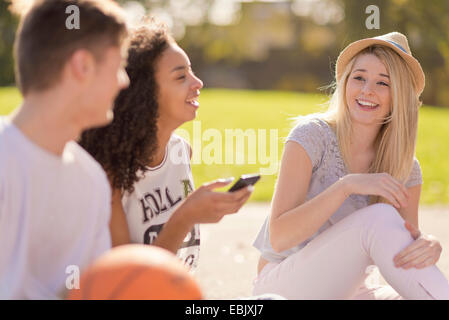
<point>157,195</point>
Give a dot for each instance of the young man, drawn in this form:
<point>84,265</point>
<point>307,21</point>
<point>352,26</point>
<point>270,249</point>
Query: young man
<point>54,197</point>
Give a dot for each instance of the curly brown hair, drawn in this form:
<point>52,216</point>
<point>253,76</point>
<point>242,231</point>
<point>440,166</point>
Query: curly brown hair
<point>129,142</point>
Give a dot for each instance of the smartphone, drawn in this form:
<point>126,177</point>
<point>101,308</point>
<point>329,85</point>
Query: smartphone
<point>244,181</point>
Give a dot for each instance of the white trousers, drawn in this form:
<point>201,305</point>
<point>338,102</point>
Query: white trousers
<point>332,265</point>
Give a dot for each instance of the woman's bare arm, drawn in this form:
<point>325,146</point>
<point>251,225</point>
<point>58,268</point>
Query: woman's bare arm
<point>293,220</point>
<point>118,225</point>
<point>410,212</point>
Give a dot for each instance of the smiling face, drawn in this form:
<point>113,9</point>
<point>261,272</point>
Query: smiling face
<point>178,87</point>
<point>368,94</point>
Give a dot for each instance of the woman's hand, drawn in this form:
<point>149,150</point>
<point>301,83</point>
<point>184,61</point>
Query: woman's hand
<point>207,206</point>
<point>202,206</point>
<point>377,184</point>
<point>423,252</point>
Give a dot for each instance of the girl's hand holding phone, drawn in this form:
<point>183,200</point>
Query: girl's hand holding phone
<point>205,205</point>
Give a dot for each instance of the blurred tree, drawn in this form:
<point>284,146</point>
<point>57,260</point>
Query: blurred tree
<point>8,26</point>
<point>260,28</point>
<point>285,44</point>
<point>427,24</point>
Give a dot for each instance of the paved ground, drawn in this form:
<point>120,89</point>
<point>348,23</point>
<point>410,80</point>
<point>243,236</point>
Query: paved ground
<point>228,261</point>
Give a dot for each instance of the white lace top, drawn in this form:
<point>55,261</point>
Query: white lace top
<point>320,142</point>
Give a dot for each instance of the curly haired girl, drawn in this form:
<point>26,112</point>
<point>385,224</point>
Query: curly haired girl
<point>148,166</point>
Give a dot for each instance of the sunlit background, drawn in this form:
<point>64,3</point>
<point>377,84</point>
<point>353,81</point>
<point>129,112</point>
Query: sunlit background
<point>263,62</point>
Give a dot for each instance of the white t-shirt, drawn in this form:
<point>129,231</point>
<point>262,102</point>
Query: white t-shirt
<point>54,214</point>
<point>157,195</point>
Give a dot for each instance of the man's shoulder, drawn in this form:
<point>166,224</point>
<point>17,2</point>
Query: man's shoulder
<point>4,124</point>
<point>87,162</point>
<point>8,150</point>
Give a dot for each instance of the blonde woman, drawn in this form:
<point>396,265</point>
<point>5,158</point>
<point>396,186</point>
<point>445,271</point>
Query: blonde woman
<point>356,189</point>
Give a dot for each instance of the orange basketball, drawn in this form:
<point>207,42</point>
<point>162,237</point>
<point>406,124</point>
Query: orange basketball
<point>137,271</point>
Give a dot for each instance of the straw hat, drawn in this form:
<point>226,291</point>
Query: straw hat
<point>394,40</point>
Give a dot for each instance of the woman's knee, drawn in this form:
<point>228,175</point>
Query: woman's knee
<point>381,213</point>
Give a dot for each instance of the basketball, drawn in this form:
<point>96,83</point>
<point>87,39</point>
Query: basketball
<point>137,272</point>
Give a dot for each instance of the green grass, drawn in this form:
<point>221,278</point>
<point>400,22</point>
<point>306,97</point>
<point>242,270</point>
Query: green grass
<point>10,98</point>
<point>229,109</point>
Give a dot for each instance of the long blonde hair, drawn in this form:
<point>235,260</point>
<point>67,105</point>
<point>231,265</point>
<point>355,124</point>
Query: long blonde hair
<point>396,141</point>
